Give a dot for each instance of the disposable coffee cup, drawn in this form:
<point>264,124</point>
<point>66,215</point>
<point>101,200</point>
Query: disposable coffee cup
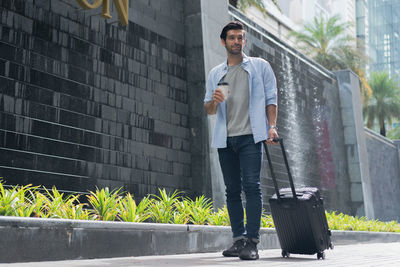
<point>224,87</point>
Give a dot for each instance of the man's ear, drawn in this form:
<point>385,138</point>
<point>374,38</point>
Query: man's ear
<point>223,42</point>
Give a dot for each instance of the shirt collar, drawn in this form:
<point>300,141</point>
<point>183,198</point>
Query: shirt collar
<point>244,61</point>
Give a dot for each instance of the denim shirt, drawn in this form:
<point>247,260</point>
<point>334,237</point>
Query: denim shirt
<point>263,92</point>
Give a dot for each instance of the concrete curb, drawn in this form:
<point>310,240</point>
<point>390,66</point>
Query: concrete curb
<point>37,239</point>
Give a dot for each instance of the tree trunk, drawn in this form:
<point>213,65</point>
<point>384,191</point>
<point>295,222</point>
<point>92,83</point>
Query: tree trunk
<point>233,3</point>
<point>383,130</point>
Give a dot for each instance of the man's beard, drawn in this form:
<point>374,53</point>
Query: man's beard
<point>233,51</point>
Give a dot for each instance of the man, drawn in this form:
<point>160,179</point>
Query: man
<point>244,120</point>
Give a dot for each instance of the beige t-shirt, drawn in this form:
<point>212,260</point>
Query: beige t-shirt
<point>237,104</point>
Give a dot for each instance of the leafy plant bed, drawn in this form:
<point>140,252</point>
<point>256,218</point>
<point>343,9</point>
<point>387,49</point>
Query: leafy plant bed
<point>173,208</point>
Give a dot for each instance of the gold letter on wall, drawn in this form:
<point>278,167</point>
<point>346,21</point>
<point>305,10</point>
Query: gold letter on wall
<point>122,7</point>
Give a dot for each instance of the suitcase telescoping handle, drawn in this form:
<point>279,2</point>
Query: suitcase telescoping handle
<point>280,140</point>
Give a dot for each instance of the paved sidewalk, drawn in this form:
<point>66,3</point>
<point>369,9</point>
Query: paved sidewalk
<point>378,254</point>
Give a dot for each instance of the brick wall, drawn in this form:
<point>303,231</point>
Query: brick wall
<point>85,102</point>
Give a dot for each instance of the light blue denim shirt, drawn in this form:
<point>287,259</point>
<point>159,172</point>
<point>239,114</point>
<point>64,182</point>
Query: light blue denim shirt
<point>263,92</point>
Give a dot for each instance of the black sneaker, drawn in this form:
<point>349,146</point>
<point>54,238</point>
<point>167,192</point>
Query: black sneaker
<point>234,250</point>
<point>249,252</point>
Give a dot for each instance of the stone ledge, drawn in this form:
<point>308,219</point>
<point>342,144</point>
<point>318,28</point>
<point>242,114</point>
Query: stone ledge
<point>37,239</point>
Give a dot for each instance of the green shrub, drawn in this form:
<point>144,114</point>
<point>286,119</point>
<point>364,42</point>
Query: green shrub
<point>182,211</point>
<point>104,203</point>
<point>266,221</point>
<point>59,206</point>
<point>108,205</point>
<point>31,203</point>
<point>11,199</point>
<point>340,221</point>
<point>220,217</point>
<point>200,210</point>
<point>128,211</point>
<point>72,209</point>
<point>162,208</point>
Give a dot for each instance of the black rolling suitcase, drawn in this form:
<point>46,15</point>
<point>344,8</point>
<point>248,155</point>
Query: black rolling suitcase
<point>299,216</point>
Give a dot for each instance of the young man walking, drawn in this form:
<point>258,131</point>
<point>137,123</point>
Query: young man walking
<point>246,117</point>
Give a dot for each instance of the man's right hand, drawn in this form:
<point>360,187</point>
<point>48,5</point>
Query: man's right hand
<point>218,96</point>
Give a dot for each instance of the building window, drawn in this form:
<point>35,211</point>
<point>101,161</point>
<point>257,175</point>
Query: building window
<point>386,52</point>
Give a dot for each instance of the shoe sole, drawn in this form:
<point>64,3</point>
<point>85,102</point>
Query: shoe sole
<point>249,259</point>
<point>230,255</point>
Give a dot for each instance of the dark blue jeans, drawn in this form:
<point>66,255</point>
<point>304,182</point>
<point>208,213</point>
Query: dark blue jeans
<point>241,166</point>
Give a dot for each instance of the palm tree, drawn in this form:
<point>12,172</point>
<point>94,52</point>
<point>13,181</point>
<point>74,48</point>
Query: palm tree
<point>384,104</point>
<point>323,40</point>
<point>326,41</point>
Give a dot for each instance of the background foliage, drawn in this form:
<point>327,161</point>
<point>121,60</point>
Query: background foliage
<point>384,104</point>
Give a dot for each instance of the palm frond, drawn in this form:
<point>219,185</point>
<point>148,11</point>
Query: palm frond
<point>384,104</point>
<point>328,43</point>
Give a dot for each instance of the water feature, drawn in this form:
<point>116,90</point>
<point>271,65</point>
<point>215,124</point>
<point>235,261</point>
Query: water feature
<point>288,92</point>
<point>309,119</point>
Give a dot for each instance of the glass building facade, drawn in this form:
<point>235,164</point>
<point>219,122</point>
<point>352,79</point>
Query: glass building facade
<point>362,25</point>
<point>384,36</point>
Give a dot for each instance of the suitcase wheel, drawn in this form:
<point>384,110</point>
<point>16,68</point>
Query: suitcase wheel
<point>321,255</point>
<point>285,254</point>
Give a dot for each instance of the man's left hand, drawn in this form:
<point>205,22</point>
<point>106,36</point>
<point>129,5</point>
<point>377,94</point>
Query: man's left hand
<point>272,134</point>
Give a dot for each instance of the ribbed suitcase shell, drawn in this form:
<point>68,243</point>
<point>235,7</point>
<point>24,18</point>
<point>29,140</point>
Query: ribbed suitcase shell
<point>300,223</point>
<point>299,216</point>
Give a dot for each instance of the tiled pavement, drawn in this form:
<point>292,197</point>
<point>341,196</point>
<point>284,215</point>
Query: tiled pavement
<point>375,254</point>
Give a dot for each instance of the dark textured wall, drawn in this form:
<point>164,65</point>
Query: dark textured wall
<point>85,102</point>
<point>384,168</point>
<point>309,120</point>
